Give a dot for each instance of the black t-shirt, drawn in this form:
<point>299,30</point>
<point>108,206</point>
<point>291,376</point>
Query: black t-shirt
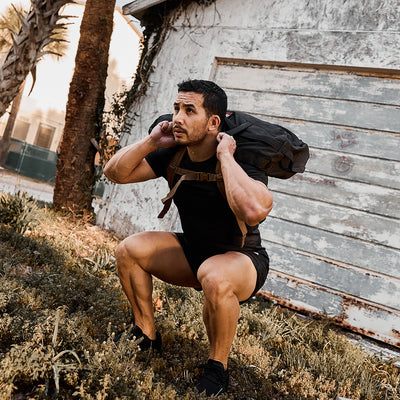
<point>206,218</point>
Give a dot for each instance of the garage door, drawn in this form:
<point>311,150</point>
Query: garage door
<point>334,233</point>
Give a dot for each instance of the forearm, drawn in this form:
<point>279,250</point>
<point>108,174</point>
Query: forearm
<point>121,167</point>
<point>249,199</point>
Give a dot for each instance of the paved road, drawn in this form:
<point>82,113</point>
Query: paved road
<point>12,182</point>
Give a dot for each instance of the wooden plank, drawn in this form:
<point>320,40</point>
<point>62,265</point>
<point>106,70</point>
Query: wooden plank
<point>359,196</point>
<point>336,219</point>
<point>355,141</point>
<point>358,282</point>
<point>309,82</point>
<point>338,112</point>
<point>302,296</point>
<point>334,233</point>
<point>360,316</point>
<point>356,168</point>
<point>332,246</point>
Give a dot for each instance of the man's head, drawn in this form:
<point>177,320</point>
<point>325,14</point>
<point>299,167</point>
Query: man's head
<point>215,100</point>
<point>199,110</point>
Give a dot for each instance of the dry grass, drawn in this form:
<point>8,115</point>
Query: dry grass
<point>60,302</point>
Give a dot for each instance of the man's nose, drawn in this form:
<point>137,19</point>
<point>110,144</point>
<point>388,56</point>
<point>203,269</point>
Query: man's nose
<point>178,117</point>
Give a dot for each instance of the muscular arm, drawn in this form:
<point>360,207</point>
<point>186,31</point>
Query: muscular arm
<point>249,199</point>
<point>129,164</point>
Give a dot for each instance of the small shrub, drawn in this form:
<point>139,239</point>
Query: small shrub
<point>61,304</point>
<point>18,211</point>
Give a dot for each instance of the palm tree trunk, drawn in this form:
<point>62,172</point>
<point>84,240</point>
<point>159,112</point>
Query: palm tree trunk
<point>28,47</point>
<point>75,168</point>
<point>12,118</point>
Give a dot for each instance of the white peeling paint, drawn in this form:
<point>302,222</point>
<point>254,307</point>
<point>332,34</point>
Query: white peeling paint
<point>343,212</point>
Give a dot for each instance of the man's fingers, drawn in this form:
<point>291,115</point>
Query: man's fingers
<point>220,136</point>
<point>166,127</point>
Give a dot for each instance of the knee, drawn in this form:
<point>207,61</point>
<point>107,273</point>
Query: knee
<point>121,252</point>
<point>216,287</point>
<point>127,253</point>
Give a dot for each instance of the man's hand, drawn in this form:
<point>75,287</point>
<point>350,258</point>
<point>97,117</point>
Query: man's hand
<point>162,135</point>
<point>226,145</point>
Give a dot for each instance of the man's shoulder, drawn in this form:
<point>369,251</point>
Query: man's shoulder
<point>254,172</point>
<point>160,159</point>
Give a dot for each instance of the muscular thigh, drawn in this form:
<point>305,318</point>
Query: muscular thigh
<point>160,254</point>
<point>233,268</point>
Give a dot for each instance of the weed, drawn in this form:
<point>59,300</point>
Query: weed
<point>61,304</point>
<point>18,211</point>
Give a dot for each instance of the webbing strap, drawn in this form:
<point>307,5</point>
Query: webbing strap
<point>173,164</point>
<point>188,175</point>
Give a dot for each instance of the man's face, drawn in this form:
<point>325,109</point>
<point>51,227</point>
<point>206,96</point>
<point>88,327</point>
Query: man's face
<point>190,119</point>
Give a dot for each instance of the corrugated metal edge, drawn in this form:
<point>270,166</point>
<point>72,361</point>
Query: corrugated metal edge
<point>354,311</point>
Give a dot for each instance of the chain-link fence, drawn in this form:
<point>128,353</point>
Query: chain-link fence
<point>37,162</point>
<point>32,161</point>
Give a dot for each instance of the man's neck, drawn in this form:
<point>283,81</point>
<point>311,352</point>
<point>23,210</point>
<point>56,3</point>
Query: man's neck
<point>204,150</point>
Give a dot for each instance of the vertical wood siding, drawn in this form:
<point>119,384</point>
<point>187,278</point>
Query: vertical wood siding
<point>334,233</point>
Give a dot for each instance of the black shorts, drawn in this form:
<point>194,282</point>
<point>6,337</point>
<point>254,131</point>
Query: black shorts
<point>196,257</point>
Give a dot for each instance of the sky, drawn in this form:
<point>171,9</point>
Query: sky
<point>54,76</point>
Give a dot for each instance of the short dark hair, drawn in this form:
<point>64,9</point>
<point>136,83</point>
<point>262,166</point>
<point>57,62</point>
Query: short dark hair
<point>215,100</point>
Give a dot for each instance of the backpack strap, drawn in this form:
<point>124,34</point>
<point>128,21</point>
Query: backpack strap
<point>171,172</point>
<point>173,164</point>
<point>188,175</point>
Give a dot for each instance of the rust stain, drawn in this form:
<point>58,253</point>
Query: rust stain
<point>385,73</point>
<point>368,333</point>
<point>286,304</point>
<point>348,302</point>
<point>316,181</point>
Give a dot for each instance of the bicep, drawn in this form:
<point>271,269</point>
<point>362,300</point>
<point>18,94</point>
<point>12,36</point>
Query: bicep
<point>143,172</point>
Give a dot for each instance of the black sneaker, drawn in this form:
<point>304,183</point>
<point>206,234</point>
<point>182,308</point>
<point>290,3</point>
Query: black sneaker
<point>215,379</point>
<point>145,343</point>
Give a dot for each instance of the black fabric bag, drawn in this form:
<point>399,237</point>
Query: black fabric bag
<point>272,148</point>
<point>269,147</point>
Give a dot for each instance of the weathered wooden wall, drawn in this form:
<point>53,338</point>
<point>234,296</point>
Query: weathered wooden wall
<point>330,72</point>
<point>334,233</point>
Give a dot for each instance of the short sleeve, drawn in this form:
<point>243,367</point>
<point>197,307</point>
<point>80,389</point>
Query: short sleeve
<point>159,160</point>
<point>255,173</point>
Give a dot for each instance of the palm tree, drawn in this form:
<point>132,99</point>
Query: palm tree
<point>40,32</point>
<point>75,168</point>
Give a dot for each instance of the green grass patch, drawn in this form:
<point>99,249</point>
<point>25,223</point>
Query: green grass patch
<point>61,303</point>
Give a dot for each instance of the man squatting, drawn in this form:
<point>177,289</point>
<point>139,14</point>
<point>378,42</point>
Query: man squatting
<point>208,254</point>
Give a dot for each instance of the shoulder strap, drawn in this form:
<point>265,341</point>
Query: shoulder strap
<point>173,164</point>
<point>186,175</point>
<point>171,172</point>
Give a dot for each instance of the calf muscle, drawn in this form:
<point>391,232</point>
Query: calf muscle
<point>138,258</point>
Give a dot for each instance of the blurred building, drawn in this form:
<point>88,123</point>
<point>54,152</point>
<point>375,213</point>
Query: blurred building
<point>41,117</point>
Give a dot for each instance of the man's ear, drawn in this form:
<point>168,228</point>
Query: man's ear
<point>213,123</point>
